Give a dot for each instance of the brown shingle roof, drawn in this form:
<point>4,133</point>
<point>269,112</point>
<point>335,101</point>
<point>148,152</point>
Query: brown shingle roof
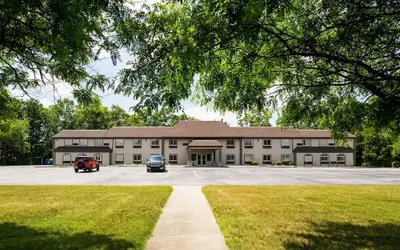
<point>205,143</point>
<point>322,150</point>
<point>196,129</point>
<point>81,149</point>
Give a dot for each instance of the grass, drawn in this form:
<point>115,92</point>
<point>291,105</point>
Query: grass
<point>307,217</point>
<point>79,217</point>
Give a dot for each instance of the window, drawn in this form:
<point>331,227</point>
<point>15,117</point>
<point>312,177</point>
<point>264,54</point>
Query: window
<point>82,142</point>
<point>193,157</point>
<point>331,142</point>
<point>68,142</point>
<point>266,143</point>
<point>230,143</point>
<point>323,142</point>
<point>119,158</point>
<point>307,142</point>
<point>285,157</point>
<point>209,157</point>
<point>248,143</point>
<point>106,144</point>
<point>98,158</point>
<point>173,143</point>
<point>137,143</point>
<point>173,159</point>
<point>248,158</point>
<point>341,158</point>
<point>154,143</point>
<point>285,143</point>
<point>308,159</point>
<point>98,142</point>
<point>75,142</point>
<point>324,158</point>
<point>137,158</point>
<point>90,142</point>
<point>66,159</point>
<point>267,159</point>
<point>230,158</point>
<point>119,143</point>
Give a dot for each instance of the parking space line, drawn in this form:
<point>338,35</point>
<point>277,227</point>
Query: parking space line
<point>224,174</point>
<point>196,174</point>
<point>169,171</point>
<point>138,174</point>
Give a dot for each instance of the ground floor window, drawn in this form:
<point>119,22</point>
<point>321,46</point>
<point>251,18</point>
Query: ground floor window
<point>98,158</point>
<point>248,158</point>
<point>341,158</point>
<point>209,157</point>
<point>173,159</point>
<point>66,159</point>
<point>119,158</point>
<point>266,159</point>
<point>285,157</point>
<point>325,159</point>
<point>137,158</point>
<point>308,159</point>
<point>230,158</point>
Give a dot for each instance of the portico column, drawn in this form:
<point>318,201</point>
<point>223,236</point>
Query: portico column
<point>220,155</point>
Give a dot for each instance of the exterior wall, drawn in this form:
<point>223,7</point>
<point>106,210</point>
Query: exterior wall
<point>317,158</point>
<point>275,151</point>
<point>59,157</point>
<point>181,151</point>
<point>226,151</point>
<point>128,150</point>
<point>58,142</point>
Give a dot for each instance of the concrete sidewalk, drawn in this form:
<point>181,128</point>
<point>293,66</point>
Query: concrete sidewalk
<point>187,223</point>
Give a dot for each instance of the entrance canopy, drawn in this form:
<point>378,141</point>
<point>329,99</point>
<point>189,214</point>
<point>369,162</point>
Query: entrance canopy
<point>205,144</point>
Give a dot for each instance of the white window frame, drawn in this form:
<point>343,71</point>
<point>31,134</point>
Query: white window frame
<point>83,142</point>
<point>98,142</point>
<point>137,160</point>
<point>304,142</point>
<point>119,162</point>
<point>284,156</point>
<point>285,143</point>
<point>75,142</point>
<point>321,142</point>
<point>137,143</point>
<point>341,155</point>
<point>155,145</point>
<point>64,161</point>
<point>248,143</point>
<point>230,143</point>
<point>67,142</point>
<point>325,155</point>
<point>230,160</point>
<point>312,159</point>
<point>173,161</point>
<point>331,143</point>
<point>252,158</point>
<point>266,145</point>
<point>174,143</point>
<point>119,143</point>
<point>266,161</point>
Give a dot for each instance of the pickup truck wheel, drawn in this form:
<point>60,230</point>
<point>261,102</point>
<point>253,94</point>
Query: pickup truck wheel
<point>90,168</point>
<point>76,170</point>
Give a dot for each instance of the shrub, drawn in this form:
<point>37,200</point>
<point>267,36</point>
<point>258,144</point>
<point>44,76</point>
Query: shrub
<point>254,163</point>
<point>276,163</point>
<point>287,163</point>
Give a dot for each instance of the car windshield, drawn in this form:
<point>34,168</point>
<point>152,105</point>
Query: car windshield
<point>82,159</point>
<point>156,158</point>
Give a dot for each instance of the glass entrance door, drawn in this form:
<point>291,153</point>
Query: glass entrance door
<point>201,160</point>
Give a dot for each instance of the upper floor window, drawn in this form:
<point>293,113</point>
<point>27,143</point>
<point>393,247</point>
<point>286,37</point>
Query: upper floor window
<point>230,143</point>
<point>137,143</point>
<point>155,143</point>
<point>266,143</point>
<point>173,143</point>
<point>68,142</point>
<point>75,142</point>
<point>98,142</point>
<point>83,142</point>
<point>331,142</point>
<point>119,143</point>
<point>307,142</point>
<point>285,143</point>
<point>323,142</point>
<point>248,143</point>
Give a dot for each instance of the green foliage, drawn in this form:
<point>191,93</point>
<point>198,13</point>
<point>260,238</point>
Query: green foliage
<point>254,163</point>
<point>255,118</point>
<point>275,163</point>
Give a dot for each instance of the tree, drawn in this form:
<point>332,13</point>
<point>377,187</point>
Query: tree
<point>249,54</point>
<point>118,116</point>
<point>255,118</point>
<point>50,39</point>
<point>92,115</point>
<point>161,117</point>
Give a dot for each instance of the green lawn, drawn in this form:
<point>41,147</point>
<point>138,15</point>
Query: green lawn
<point>79,217</point>
<point>307,217</point>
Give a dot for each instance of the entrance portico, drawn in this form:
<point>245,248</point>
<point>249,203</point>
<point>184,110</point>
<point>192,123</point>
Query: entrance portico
<point>204,153</point>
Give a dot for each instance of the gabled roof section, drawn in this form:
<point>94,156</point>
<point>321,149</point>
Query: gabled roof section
<point>138,132</point>
<point>81,134</point>
<point>201,129</point>
<point>205,143</point>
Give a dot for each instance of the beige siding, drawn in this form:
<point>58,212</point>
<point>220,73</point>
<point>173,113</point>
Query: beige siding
<point>275,151</point>
<point>59,157</point>
<point>128,150</point>
<point>181,151</point>
<point>58,142</point>
<point>226,151</point>
<point>91,142</point>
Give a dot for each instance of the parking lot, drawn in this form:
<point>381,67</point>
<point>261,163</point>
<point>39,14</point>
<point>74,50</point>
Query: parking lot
<point>199,176</point>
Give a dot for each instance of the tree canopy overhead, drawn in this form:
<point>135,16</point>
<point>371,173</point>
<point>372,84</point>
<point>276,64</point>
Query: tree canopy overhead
<point>332,63</point>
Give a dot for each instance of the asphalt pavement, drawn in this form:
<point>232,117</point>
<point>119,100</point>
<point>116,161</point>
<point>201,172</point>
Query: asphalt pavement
<point>185,176</point>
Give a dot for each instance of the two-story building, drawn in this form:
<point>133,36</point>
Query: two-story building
<point>203,143</point>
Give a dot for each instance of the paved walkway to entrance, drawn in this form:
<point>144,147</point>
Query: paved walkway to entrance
<point>187,222</point>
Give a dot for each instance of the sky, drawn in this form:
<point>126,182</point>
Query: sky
<point>47,95</point>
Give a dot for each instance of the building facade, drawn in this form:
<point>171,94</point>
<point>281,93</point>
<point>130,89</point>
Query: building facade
<point>203,143</point>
